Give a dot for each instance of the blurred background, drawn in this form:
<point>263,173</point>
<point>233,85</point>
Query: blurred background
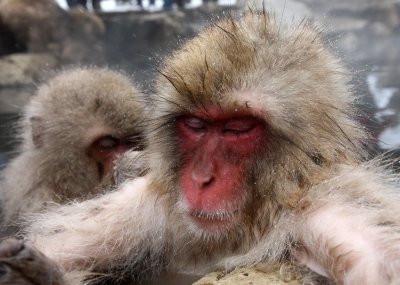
<point>38,37</point>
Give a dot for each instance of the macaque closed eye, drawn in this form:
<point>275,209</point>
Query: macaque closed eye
<point>228,126</point>
<point>106,149</point>
<point>108,144</point>
<point>239,126</point>
<point>195,124</point>
<point>112,146</point>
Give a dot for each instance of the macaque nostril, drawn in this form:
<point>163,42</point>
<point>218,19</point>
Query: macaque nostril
<point>202,180</point>
<point>208,182</point>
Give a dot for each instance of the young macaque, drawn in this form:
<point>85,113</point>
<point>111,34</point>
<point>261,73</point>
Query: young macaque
<point>71,132</point>
<point>255,155</point>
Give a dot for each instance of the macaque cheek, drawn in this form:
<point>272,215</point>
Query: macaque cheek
<point>104,151</point>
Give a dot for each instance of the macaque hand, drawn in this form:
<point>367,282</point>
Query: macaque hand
<point>23,265</point>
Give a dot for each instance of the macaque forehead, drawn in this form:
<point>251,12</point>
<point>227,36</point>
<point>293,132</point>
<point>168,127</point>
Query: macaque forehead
<point>236,104</point>
<point>86,103</point>
<point>88,91</point>
<point>243,54</point>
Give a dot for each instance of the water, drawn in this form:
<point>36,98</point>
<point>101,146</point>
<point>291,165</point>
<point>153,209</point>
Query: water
<point>7,134</point>
<point>112,6</point>
<point>387,114</point>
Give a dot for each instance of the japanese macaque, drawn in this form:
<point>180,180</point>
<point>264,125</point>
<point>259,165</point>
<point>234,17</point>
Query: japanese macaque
<point>255,155</point>
<point>71,133</point>
<point>42,26</point>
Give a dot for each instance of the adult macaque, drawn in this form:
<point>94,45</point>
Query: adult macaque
<point>255,155</point>
<point>42,26</point>
<point>71,132</point>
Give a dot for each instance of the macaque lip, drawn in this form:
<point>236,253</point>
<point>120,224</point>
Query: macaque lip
<point>214,219</point>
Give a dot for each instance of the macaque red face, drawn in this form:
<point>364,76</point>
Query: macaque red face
<point>105,150</point>
<point>218,147</point>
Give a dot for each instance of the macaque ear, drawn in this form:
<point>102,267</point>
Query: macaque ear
<point>37,131</point>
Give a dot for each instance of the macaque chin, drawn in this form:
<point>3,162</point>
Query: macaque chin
<point>254,155</point>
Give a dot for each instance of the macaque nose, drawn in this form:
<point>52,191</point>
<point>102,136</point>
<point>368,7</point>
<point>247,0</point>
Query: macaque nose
<point>206,163</point>
<point>202,180</point>
<point>203,174</point>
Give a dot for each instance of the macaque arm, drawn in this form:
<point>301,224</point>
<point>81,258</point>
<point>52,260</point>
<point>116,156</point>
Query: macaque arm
<point>91,234</point>
<point>352,233</point>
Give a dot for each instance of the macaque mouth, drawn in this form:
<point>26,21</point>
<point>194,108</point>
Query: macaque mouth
<point>211,217</point>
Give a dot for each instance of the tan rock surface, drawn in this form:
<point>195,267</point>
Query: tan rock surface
<point>284,275</point>
<point>23,68</point>
<point>19,73</point>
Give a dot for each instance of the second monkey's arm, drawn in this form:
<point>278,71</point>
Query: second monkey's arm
<point>91,234</point>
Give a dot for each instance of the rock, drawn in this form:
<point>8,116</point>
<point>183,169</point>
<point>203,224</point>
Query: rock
<point>345,25</point>
<point>135,41</point>
<point>13,99</point>
<point>24,68</point>
<point>284,275</point>
<point>286,11</point>
<point>18,75</point>
<point>138,41</point>
<point>42,26</point>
